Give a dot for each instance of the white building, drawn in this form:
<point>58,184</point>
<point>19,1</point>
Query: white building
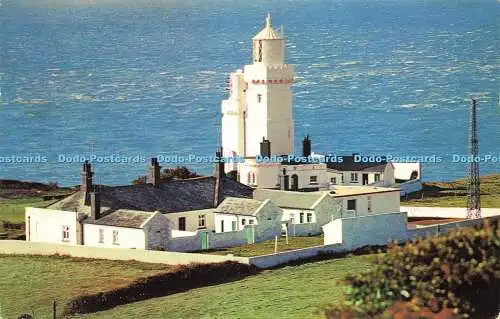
<point>257,121</point>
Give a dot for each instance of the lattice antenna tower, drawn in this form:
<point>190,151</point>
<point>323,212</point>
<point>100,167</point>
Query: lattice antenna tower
<point>473,181</point>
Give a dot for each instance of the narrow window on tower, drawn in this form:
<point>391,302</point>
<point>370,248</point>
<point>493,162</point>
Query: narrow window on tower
<point>260,50</point>
<point>259,98</point>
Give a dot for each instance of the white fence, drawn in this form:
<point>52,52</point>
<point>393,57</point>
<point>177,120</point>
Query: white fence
<point>445,212</point>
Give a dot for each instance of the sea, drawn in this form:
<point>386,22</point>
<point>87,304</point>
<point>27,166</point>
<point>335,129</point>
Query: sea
<point>121,81</point>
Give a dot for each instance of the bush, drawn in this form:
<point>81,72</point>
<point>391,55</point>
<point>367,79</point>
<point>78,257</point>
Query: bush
<point>456,273</point>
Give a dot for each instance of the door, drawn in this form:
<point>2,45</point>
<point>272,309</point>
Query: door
<point>365,179</point>
<point>204,240</point>
<point>250,235</point>
<point>221,226</point>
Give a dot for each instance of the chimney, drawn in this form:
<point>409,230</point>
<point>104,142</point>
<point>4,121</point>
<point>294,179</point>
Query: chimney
<point>284,181</point>
<point>86,182</point>
<point>154,174</point>
<point>218,174</point>
<point>265,147</point>
<point>306,146</point>
<point>95,205</point>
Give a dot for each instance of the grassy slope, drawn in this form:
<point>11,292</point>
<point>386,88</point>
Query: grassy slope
<point>12,210</point>
<point>291,292</point>
<point>267,247</point>
<point>454,194</point>
<point>29,284</point>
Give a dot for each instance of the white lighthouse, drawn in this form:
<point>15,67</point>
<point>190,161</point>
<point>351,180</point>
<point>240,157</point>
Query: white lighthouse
<point>258,113</point>
<point>260,101</point>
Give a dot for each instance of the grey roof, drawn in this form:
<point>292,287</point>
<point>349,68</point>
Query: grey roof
<point>289,199</point>
<point>173,196</point>
<point>239,206</point>
<point>122,218</point>
<point>348,164</point>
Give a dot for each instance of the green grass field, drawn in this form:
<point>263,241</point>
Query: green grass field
<point>454,194</point>
<point>29,284</point>
<point>299,292</point>
<point>267,247</point>
<point>12,210</point>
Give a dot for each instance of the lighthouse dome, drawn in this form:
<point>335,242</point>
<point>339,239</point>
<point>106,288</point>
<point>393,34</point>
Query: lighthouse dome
<point>268,33</point>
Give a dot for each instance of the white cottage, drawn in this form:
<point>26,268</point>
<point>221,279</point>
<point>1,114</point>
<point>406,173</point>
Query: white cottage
<point>127,229</point>
<point>303,212</point>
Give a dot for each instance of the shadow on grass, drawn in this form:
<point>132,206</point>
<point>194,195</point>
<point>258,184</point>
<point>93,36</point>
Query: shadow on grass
<point>179,279</point>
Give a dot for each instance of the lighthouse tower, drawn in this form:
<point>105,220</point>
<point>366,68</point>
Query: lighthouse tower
<point>268,97</point>
<point>260,101</point>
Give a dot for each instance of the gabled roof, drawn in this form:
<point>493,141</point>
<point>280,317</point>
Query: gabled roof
<point>239,206</point>
<point>123,218</point>
<point>289,199</point>
<point>173,196</point>
<point>348,164</point>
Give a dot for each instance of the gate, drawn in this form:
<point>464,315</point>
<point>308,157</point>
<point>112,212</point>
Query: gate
<point>204,240</point>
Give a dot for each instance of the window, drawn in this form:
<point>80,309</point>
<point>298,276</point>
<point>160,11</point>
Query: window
<point>351,204</point>
<point>65,233</point>
<point>101,236</point>
<point>115,237</point>
<point>301,220</point>
<point>260,51</point>
<point>201,220</point>
<point>369,204</point>
<point>250,222</point>
<point>182,223</point>
<point>309,217</point>
<point>243,221</point>
<point>234,224</point>
<point>259,98</point>
<point>253,178</point>
<point>354,177</point>
<point>377,178</point>
<point>342,178</point>
<point>313,179</point>
<point>221,226</point>
<point>292,218</point>
<point>333,180</point>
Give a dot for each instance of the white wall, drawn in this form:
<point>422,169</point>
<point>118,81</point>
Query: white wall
<point>372,230</point>
<point>445,212</point>
<point>127,237</point>
<point>387,202</point>
<point>403,170</point>
<point>229,219</point>
<point>46,225</point>
<point>149,256</point>
<point>333,232</point>
<point>304,173</point>
<point>192,219</point>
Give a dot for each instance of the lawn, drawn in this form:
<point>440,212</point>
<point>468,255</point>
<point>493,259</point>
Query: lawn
<point>12,209</point>
<point>454,194</point>
<point>267,247</point>
<point>290,292</point>
<point>29,284</point>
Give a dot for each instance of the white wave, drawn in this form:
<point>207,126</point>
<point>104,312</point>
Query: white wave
<point>411,105</point>
<point>349,63</point>
<point>208,72</point>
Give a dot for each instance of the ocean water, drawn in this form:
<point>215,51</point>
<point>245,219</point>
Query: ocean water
<point>137,78</point>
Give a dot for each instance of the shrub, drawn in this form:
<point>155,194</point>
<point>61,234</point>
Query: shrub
<point>456,273</point>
